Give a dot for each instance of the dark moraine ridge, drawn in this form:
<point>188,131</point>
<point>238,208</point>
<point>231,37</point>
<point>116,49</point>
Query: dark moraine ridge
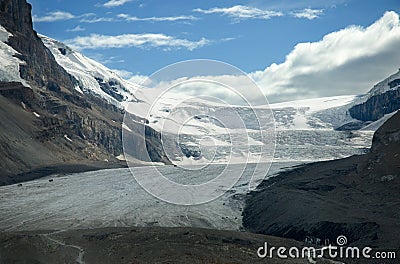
<point>358,197</point>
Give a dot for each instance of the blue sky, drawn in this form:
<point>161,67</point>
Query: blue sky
<point>140,37</point>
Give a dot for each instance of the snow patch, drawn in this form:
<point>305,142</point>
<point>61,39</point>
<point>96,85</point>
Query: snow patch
<point>124,126</point>
<point>78,89</point>
<point>316,113</point>
<point>4,34</point>
<point>9,64</point>
<point>67,138</point>
<point>121,157</point>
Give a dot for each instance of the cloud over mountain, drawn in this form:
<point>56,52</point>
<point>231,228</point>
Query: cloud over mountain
<point>54,16</point>
<point>348,61</point>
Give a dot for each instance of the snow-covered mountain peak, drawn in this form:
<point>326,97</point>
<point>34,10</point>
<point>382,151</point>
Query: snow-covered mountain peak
<point>390,83</point>
<point>93,77</point>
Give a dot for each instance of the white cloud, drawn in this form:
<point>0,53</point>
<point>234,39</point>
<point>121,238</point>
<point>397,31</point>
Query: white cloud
<point>130,76</point>
<point>146,40</point>
<point>54,16</point>
<point>78,28</point>
<point>348,61</point>
<point>240,12</point>
<point>97,19</point>
<point>123,73</point>
<point>114,3</point>
<point>91,18</point>
<point>308,13</point>
<point>233,89</point>
<point>62,16</point>
<point>157,19</point>
<point>138,79</point>
<point>105,60</point>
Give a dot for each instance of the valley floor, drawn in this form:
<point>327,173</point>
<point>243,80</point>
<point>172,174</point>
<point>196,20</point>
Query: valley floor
<point>139,245</point>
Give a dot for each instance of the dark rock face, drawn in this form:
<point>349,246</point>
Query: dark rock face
<point>194,152</point>
<point>351,126</point>
<point>377,106</point>
<point>357,197</point>
<point>385,138</point>
<point>153,146</point>
<point>394,83</point>
<point>110,88</point>
<point>41,69</point>
<point>142,142</point>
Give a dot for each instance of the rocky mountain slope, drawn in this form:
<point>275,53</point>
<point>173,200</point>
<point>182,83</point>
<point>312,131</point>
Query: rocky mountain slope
<point>39,68</point>
<point>357,197</point>
<point>381,100</point>
<point>46,122</point>
<point>92,77</point>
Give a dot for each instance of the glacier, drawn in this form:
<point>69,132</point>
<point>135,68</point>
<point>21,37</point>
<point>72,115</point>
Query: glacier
<point>303,131</point>
<point>296,123</point>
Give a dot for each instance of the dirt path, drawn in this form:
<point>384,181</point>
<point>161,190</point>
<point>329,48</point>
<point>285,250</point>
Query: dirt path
<point>81,251</point>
